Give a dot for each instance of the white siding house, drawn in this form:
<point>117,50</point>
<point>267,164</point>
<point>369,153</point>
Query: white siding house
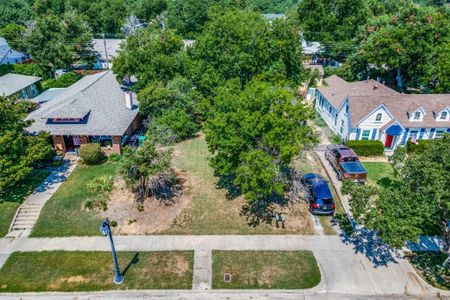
<point>368,110</point>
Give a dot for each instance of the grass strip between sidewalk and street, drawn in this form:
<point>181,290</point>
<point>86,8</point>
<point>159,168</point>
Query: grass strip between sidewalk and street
<point>265,270</point>
<point>93,271</point>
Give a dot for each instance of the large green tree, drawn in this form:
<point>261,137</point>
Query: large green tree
<point>243,44</point>
<point>151,54</point>
<point>254,135</point>
<point>18,150</point>
<point>416,203</point>
<point>58,43</point>
<point>408,50</point>
<point>174,105</point>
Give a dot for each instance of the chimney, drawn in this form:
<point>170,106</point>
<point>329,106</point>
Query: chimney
<point>129,100</point>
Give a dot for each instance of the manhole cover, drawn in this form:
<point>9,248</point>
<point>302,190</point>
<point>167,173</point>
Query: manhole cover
<point>227,277</point>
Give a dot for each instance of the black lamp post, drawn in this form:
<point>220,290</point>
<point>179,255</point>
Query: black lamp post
<point>105,229</point>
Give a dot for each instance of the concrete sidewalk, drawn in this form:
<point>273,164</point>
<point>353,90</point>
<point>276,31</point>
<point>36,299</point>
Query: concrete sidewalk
<point>345,269</point>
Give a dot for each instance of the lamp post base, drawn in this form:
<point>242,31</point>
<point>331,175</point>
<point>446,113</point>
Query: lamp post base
<point>119,279</point>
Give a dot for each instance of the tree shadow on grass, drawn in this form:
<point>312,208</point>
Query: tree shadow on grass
<point>133,261</point>
<point>262,211</point>
<point>385,182</point>
<point>226,182</point>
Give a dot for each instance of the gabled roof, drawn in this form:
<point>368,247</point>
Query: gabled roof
<point>98,98</point>
<point>48,95</point>
<point>13,83</point>
<point>365,96</point>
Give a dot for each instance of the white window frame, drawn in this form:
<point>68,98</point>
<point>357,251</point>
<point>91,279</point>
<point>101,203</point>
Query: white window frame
<point>368,134</point>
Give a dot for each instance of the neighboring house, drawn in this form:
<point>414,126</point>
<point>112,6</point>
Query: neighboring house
<point>369,110</point>
<point>94,109</point>
<point>48,95</point>
<point>8,55</point>
<point>20,86</point>
<point>106,50</point>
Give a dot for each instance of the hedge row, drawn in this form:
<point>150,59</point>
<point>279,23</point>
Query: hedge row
<point>419,147</point>
<point>366,147</point>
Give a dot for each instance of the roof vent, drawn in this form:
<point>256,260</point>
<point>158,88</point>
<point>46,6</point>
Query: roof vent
<point>375,87</point>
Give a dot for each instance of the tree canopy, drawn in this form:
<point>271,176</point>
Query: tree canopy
<point>254,135</point>
<point>416,203</point>
<point>18,150</point>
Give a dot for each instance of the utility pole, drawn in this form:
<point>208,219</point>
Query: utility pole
<point>106,52</point>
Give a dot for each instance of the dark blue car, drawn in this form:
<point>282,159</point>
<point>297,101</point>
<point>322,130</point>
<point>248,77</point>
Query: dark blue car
<point>319,198</point>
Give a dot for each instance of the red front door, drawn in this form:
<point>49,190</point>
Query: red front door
<point>389,139</point>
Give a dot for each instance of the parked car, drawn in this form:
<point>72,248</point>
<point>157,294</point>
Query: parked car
<point>319,198</point>
<point>346,163</point>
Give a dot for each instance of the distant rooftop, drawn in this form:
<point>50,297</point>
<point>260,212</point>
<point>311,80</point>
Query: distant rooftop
<point>13,83</point>
<point>112,47</point>
<point>48,95</point>
<point>274,16</point>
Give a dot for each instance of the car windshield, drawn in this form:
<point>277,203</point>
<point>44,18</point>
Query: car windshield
<point>349,158</point>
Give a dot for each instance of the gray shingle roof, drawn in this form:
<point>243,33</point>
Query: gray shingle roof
<point>13,83</point>
<point>112,47</point>
<point>97,97</point>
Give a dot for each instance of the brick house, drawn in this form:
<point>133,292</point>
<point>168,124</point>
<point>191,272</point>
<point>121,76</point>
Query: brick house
<point>93,110</point>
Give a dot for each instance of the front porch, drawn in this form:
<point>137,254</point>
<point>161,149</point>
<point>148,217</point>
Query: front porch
<point>71,143</point>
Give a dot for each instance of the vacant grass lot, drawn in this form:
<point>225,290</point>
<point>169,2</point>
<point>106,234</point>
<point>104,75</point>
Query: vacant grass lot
<point>10,201</point>
<point>380,173</point>
<point>64,213</point>
<point>93,271</point>
<point>211,212</point>
<point>265,269</point>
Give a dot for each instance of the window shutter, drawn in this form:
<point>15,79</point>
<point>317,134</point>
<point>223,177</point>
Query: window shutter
<point>358,134</point>
<point>432,131</point>
<point>374,134</point>
<point>405,135</point>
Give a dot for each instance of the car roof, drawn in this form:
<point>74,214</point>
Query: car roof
<point>321,190</point>
<point>345,151</point>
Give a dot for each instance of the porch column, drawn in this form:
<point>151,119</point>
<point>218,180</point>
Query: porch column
<point>58,141</point>
<point>116,140</point>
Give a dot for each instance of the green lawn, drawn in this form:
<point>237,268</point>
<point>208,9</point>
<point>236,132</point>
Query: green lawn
<point>265,270</point>
<point>7,212</point>
<point>93,271</point>
<point>211,212</point>
<point>10,201</point>
<point>64,213</point>
<point>380,173</point>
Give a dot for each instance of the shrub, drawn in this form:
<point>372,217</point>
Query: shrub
<point>114,157</point>
<point>419,147</point>
<point>103,184</point>
<point>366,148</point>
<point>114,223</point>
<point>64,81</point>
<point>91,154</point>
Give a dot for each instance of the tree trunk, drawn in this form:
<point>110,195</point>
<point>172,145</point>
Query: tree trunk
<point>399,78</point>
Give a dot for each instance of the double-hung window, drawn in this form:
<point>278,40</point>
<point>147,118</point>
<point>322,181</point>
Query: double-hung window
<point>365,134</point>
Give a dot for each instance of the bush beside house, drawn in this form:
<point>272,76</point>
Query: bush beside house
<point>366,148</point>
<point>91,154</point>
<point>419,147</point>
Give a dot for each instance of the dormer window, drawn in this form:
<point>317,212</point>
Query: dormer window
<point>378,117</point>
<point>444,115</point>
<point>417,115</point>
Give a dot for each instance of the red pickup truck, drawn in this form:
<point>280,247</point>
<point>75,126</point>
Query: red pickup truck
<point>345,163</point>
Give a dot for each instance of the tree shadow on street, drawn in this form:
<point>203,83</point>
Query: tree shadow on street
<point>368,243</point>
